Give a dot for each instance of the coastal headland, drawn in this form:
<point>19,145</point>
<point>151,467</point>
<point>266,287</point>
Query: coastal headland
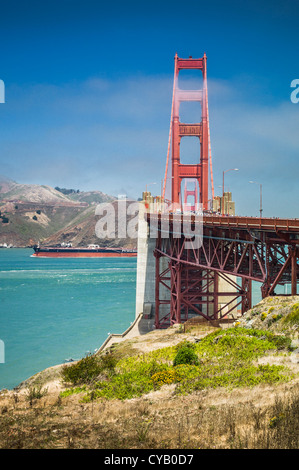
<point>241,392</point>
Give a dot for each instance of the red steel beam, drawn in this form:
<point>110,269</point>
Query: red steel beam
<point>194,271</point>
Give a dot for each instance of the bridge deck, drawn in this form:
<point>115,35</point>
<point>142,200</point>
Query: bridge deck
<point>247,223</point>
<point>261,223</point>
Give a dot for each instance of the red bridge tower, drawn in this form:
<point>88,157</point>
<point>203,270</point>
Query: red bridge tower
<point>199,171</point>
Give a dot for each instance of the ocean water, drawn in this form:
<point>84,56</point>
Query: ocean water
<point>55,309</point>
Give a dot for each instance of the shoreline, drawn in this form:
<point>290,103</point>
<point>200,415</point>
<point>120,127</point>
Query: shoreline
<point>141,326</point>
<point>48,375</point>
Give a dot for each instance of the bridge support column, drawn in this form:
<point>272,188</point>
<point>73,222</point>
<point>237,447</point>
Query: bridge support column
<point>157,285</point>
<point>184,291</point>
<point>247,289</point>
<point>216,287</point>
<point>294,271</point>
<point>145,283</point>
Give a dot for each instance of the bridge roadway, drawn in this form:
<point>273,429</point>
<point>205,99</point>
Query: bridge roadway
<point>247,223</point>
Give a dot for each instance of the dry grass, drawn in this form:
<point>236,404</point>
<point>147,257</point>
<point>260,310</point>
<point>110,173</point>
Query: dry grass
<point>264,417</point>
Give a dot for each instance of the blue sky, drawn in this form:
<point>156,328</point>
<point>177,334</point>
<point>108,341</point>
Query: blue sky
<point>89,84</point>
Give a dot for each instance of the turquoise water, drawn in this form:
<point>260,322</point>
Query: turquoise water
<point>54,309</point>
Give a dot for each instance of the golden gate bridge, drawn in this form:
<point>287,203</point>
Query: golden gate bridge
<point>234,250</point>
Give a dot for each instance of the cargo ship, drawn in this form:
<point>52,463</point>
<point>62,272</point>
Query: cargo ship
<point>91,251</point>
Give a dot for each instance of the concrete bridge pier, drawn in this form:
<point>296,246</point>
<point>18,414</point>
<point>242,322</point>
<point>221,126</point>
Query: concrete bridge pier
<point>145,281</point>
<point>152,266</point>
<point>147,266</point>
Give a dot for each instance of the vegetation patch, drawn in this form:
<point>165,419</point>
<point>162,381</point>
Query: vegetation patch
<point>224,358</point>
<point>164,377</point>
<point>293,317</point>
<point>186,355</point>
<point>88,369</point>
<point>35,393</point>
<point>72,391</point>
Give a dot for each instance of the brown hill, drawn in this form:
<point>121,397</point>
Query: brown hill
<point>82,230</point>
<point>31,213</point>
<point>39,194</point>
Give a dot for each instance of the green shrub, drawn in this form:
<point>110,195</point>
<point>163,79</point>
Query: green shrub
<point>35,393</point>
<point>185,355</point>
<point>83,371</point>
<point>108,362</point>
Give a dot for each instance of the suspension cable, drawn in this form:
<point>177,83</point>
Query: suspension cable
<point>170,132</point>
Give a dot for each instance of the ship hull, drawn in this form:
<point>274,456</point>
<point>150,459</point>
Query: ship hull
<point>58,252</point>
<point>80,254</point>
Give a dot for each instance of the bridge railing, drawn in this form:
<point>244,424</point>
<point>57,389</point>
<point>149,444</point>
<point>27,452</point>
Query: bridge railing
<point>263,223</point>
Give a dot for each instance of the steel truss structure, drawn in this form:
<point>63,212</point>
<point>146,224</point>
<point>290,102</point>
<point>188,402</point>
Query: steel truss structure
<point>235,255</point>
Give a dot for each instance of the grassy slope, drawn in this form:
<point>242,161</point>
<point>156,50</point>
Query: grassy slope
<point>243,393</point>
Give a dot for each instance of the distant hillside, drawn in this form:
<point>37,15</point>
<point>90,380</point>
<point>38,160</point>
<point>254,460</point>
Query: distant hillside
<point>15,192</point>
<point>31,213</point>
<point>91,197</point>
<point>81,231</point>
<point>30,223</point>
<point>5,184</point>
